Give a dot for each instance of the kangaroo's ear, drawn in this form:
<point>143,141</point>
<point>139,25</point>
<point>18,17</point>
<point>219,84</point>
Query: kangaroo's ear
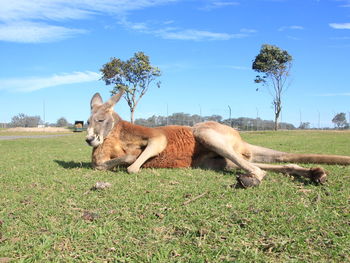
<point>96,100</point>
<point>114,99</point>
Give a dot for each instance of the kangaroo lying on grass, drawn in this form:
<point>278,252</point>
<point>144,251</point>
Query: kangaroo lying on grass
<point>207,145</point>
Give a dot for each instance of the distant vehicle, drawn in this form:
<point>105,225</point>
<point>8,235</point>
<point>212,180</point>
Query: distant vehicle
<point>78,126</point>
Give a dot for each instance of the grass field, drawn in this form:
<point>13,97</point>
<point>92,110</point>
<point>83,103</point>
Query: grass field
<point>49,213</point>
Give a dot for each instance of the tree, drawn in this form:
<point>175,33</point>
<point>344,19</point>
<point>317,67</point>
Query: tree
<point>62,122</point>
<point>304,126</point>
<point>274,64</point>
<point>22,120</point>
<point>340,120</point>
<point>134,76</point>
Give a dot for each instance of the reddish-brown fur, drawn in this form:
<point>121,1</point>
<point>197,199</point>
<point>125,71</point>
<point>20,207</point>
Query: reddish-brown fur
<point>208,145</point>
<point>182,149</point>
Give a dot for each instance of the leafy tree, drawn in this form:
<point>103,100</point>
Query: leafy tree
<point>134,76</point>
<point>62,122</point>
<point>340,120</point>
<point>274,64</point>
<point>304,125</point>
<point>22,120</point>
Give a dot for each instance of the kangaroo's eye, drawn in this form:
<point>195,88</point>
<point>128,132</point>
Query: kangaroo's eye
<point>101,120</point>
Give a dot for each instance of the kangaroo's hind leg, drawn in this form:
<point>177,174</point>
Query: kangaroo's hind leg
<point>225,141</point>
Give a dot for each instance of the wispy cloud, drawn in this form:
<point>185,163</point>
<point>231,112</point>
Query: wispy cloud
<point>293,38</point>
<point>340,38</point>
<point>334,94</point>
<point>70,9</point>
<point>219,4</point>
<point>196,35</point>
<point>28,32</point>
<point>30,84</point>
<point>340,25</point>
<point>176,33</point>
<point>284,28</point>
<point>39,20</point>
<point>346,3</point>
<point>238,67</point>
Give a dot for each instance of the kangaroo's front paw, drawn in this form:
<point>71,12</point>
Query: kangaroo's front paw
<point>130,159</point>
<point>100,167</point>
<point>318,175</point>
<point>132,170</point>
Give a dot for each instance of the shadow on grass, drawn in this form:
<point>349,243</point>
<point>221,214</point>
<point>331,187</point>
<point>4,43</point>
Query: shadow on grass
<point>73,165</point>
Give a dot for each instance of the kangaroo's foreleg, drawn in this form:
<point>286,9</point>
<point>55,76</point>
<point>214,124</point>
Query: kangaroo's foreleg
<point>154,147</point>
<point>120,161</point>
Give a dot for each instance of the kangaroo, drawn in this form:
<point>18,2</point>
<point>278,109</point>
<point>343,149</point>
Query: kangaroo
<point>207,145</point>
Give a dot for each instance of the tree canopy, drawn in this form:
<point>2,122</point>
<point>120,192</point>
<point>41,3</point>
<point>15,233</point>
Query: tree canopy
<point>340,120</point>
<point>134,76</point>
<point>23,120</point>
<point>62,122</point>
<point>274,64</point>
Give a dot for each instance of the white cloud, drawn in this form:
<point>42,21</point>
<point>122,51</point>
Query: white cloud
<point>29,84</point>
<point>340,25</point>
<point>284,28</point>
<point>219,4</point>
<point>38,21</point>
<point>196,35</point>
<point>69,9</point>
<point>293,38</point>
<point>334,94</point>
<point>346,3</point>
<point>28,32</point>
<point>176,33</point>
<point>247,30</point>
<point>32,21</point>
<point>340,38</point>
<point>239,67</point>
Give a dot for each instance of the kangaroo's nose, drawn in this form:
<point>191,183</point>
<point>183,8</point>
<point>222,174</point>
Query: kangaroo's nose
<point>89,139</point>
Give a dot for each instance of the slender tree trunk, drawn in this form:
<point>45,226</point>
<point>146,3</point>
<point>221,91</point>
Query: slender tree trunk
<point>132,112</point>
<point>278,109</point>
<point>276,122</point>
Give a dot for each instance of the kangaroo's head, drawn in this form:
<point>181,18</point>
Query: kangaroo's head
<point>102,119</point>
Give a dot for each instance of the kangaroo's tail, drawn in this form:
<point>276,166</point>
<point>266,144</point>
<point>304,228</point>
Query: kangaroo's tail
<point>265,155</point>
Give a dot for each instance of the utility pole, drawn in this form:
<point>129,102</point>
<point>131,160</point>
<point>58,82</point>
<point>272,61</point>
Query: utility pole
<point>167,114</point>
<point>44,113</point>
<point>229,108</point>
<point>319,120</point>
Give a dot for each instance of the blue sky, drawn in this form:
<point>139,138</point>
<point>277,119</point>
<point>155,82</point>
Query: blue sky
<point>51,52</point>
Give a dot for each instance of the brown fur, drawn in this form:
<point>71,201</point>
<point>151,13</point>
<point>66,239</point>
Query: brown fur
<point>207,145</point>
<point>181,151</point>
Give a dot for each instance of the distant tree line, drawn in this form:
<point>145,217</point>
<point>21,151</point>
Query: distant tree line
<point>241,123</point>
<point>23,120</point>
<point>180,118</point>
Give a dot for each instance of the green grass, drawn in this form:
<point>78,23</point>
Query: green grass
<point>45,191</point>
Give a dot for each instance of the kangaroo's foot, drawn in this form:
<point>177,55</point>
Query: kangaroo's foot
<point>250,179</point>
<point>318,175</point>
